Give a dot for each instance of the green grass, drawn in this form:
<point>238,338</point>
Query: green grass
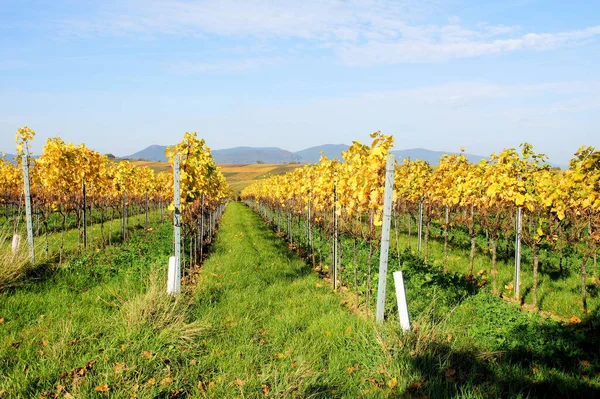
<point>558,292</point>
<point>73,241</point>
<point>260,323</point>
<point>494,348</point>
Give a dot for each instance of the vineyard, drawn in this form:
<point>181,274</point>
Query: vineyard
<point>489,207</point>
<point>73,187</point>
<point>499,261</point>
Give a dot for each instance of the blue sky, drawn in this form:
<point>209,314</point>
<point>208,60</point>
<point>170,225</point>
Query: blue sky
<point>121,75</point>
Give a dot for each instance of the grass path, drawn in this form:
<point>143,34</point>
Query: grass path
<point>279,329</point>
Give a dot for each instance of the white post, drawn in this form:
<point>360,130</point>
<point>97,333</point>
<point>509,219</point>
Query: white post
<point>420,228</point>
<point>402,303</point>
<point>16,243</point>
<point>519,230</point>
<point>385,237</point>
<point>175,269</point>
<point>335,238</point>
<point>27,191</point>
<point>173,277</point>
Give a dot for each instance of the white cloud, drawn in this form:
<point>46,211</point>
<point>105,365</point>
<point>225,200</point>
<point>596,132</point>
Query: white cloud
<point>359,32</point>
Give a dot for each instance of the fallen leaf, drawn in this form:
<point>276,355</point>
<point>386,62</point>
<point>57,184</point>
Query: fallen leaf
<point>44,343</point>
<point>575,320</point>
<point>1,320</point>
<point>102,388</point>
<point>278,356</point>
<point>450,372</point>
<point>69,396</point>
<point>119,367</point>
<point>392,383</point>
<point>585,363</point>
<point>416,385</point>
<point>151,381</point>
<point>266,389</point>
<point>166,381</point>
<point>146,354</point>
<point>239,382</point>
<point>351,370</point>
<point>122,347</point>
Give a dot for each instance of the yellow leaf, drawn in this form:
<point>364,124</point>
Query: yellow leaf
<point>102,388</point>
<point>166,381</point>
<point>239,382</point>
<point>519,199</point>
<point>392,383</point>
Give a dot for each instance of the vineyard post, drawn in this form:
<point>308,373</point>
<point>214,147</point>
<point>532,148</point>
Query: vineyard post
<point>446,222</point>
<point>27,192</point>
<point>175,265</point>
<point>402,303</point>
<point>201,221</point>
<point>420,227</point>
<point>309,235</point>
<point>335,237</point>
<point>519,231</point>
<point>147,205</point>
<point>84,217</point>
<point>385,237</point>
<point>124,222</point>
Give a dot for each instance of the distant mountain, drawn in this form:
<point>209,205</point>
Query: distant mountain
<point>433,157</point>
<point>243,155</point>
<point>152,153</point>
<point>313,154</point>
<point>10,157</point>
<point>275,155</point>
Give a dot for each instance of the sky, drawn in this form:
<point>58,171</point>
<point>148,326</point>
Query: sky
<point>122,75</point>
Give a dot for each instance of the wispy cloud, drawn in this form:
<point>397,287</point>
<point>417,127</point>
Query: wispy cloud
<point>358,32</point>
<point>227,66</point>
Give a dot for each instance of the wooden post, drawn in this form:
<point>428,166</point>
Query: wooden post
<point>385,237</point>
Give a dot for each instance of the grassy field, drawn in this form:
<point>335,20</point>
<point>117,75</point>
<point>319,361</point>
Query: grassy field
<point>238,176</point>
<point>256,321</point>
<point>559,291</point>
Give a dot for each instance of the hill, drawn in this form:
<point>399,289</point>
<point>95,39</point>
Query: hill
<point>10,157</point>
<point>313,154</point>
<point>248,155</point>
<point>151,153</point>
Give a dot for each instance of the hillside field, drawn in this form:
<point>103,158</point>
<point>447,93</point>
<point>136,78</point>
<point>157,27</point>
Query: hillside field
<point>238,176</point>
